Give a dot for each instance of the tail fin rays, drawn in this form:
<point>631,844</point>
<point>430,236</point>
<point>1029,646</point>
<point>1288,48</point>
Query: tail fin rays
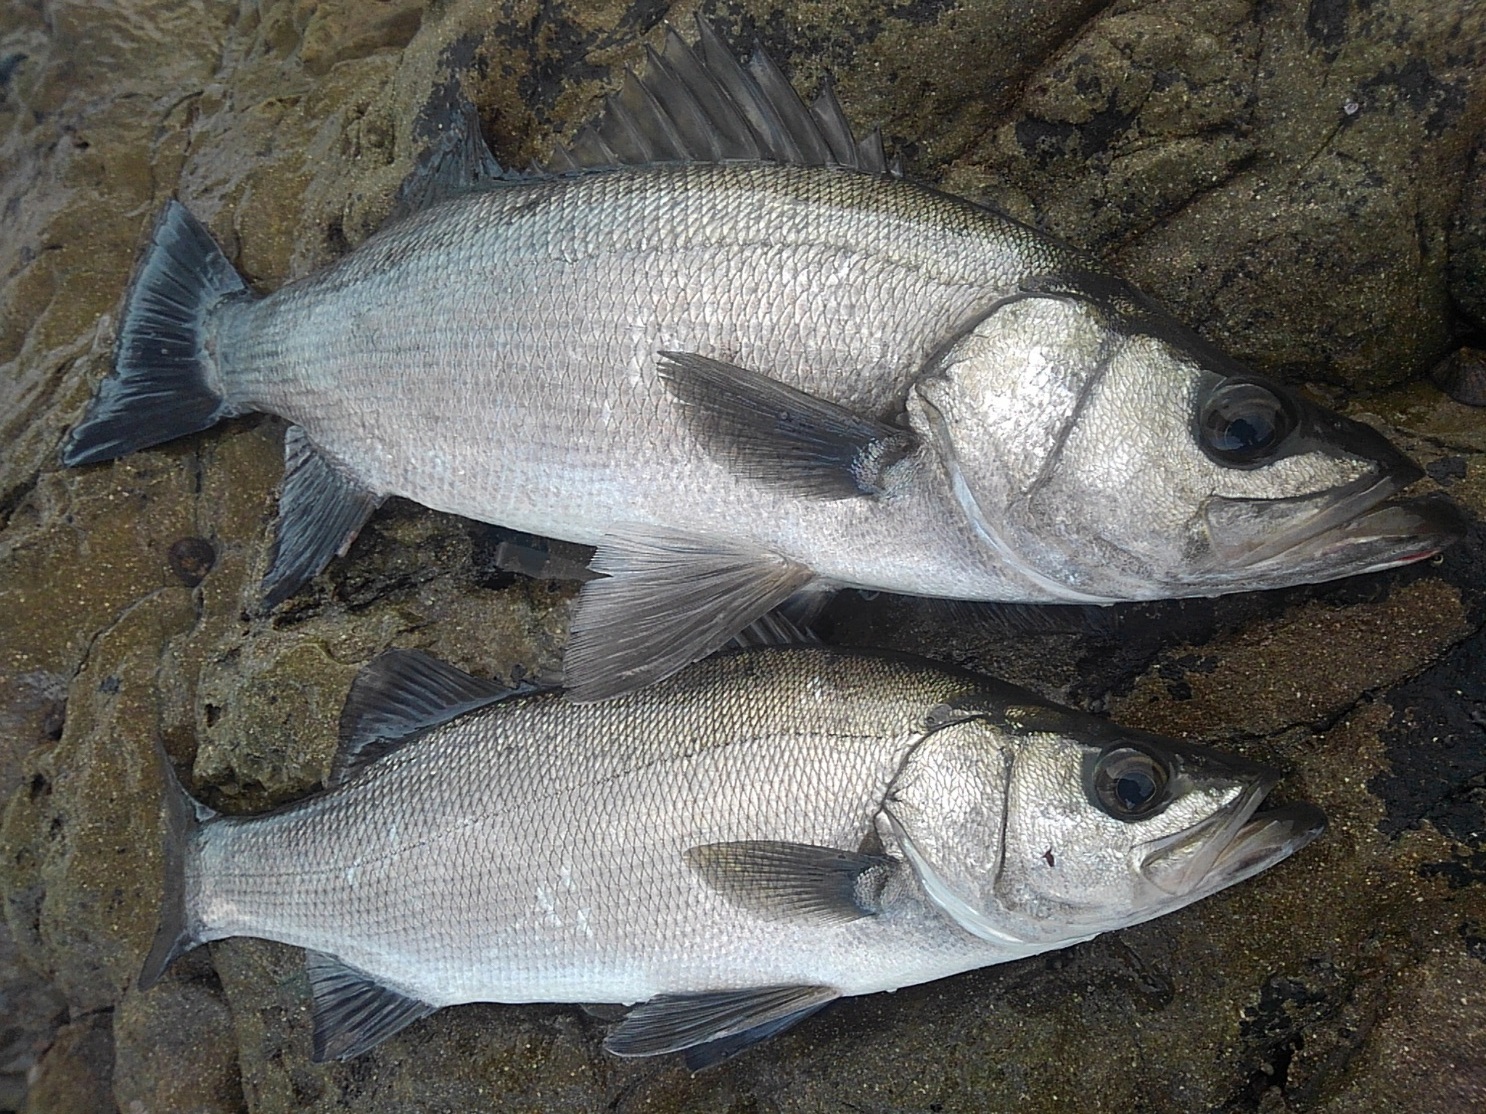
<point>174,936</point>
<point>163,385</point>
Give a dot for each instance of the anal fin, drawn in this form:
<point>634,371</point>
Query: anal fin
<point>321,510</point>
<point>353,1012</point>
<point>667,599</point>
<point>714,1025</point>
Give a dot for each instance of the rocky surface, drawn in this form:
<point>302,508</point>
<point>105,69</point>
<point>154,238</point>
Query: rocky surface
<point>1300,181</point>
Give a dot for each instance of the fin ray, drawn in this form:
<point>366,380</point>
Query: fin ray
<point>668,599</point>
<point>457,161</point>
<point>779,879</point>
<point>673,1022</point>
<point>353,1011</point>
<point>321,510</point>
<point>701,104</point>
<point>396,695</point>
<point>174,936</point>
<point>771,432</point>
<point>163,384</point>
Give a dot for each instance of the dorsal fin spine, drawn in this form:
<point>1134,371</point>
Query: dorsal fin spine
<point>701,104</point>
<point>778,94</point>
<point>731,135</point>
<point>694,126</point>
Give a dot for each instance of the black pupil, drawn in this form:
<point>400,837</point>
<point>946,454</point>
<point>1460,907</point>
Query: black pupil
<point>1129,783</point>
<point>1134,789</point>
<point>1243,420</point>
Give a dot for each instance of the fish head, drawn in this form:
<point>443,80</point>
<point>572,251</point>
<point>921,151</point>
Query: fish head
<point>1075,827</point>
<point>1104,453</point>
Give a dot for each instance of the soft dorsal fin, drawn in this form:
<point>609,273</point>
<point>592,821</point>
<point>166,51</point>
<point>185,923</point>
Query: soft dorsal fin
<point>398,694</point>
<point>700,104</point>
<point>456,161</point>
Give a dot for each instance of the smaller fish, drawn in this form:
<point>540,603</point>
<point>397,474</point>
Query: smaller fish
<point>733,848</point>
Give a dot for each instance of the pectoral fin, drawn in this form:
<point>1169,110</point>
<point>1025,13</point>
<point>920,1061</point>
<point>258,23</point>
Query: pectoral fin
<point>777,435</point>
<point>667,599</point>
<point>353,1012</point>
<point>714,1025</point>
<point>321,510</point>
<point>778,879</point>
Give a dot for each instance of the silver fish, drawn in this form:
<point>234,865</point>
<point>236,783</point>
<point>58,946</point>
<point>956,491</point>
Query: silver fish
<point>733,847</point>
<point>723,343</point>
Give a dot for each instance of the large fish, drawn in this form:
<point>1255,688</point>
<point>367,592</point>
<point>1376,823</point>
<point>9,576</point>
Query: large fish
<point>733,847</point>
<point>721,341</point>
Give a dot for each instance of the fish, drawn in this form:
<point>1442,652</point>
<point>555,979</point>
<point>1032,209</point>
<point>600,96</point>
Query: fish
<point>721,340</point>
<point>725,852</point>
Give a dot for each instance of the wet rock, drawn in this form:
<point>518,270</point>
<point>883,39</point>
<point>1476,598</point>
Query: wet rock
<point>1467,267</point>
<point>1295,181</point>
<point>75,1074</point>
<point>176,1050</point>
<point>1462,375</point>
<point>1222,155</point>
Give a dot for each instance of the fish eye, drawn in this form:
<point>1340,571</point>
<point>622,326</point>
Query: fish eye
<point>1130,783</point>
<point>1243,422</point>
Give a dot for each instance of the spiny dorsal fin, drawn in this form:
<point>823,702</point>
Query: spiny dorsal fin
<point>399,694</point>
<point>700,104</point>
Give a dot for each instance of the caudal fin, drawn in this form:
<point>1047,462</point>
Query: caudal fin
<point>162,385</point>
<point>174,936</point>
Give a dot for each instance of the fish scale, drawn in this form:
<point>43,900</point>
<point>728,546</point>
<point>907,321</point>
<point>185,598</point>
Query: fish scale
<point>512,822</point>
<point>595,275</point>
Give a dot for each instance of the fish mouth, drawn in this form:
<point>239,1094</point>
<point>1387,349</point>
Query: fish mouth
<point>1235,843</point>
<point>1351,529</point>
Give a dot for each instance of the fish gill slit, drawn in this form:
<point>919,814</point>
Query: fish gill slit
<point>1109,347</point>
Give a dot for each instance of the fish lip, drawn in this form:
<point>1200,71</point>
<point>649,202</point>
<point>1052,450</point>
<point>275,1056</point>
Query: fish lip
<point>1261,841</point>
<point>1231,845</point>
<point>1356,524</point>
<point>1183,864</point>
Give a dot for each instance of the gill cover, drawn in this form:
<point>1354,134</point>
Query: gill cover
<point>1103,452</point>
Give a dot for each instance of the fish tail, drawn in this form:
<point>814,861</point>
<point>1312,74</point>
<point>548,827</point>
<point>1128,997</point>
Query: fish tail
<point>174,936</point>
<point>164,383</point>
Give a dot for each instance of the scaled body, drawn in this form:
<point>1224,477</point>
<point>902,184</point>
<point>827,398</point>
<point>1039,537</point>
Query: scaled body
<point>509,341</point>
<point>730,350</point>
<point>765,831</point>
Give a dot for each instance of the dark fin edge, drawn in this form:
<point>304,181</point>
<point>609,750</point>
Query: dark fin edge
<point>398,694</point>
<point>456,162</point>
<point>353,1011</point>
<point>772,878</point>
<point>183,815</point>
<point>700,1057</point>
<point>667,599</point>
<point>321,510</point>
<point>767,431</point>
<point>699,104</point>
<point>162,385</point>
<point>718,1024</point>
